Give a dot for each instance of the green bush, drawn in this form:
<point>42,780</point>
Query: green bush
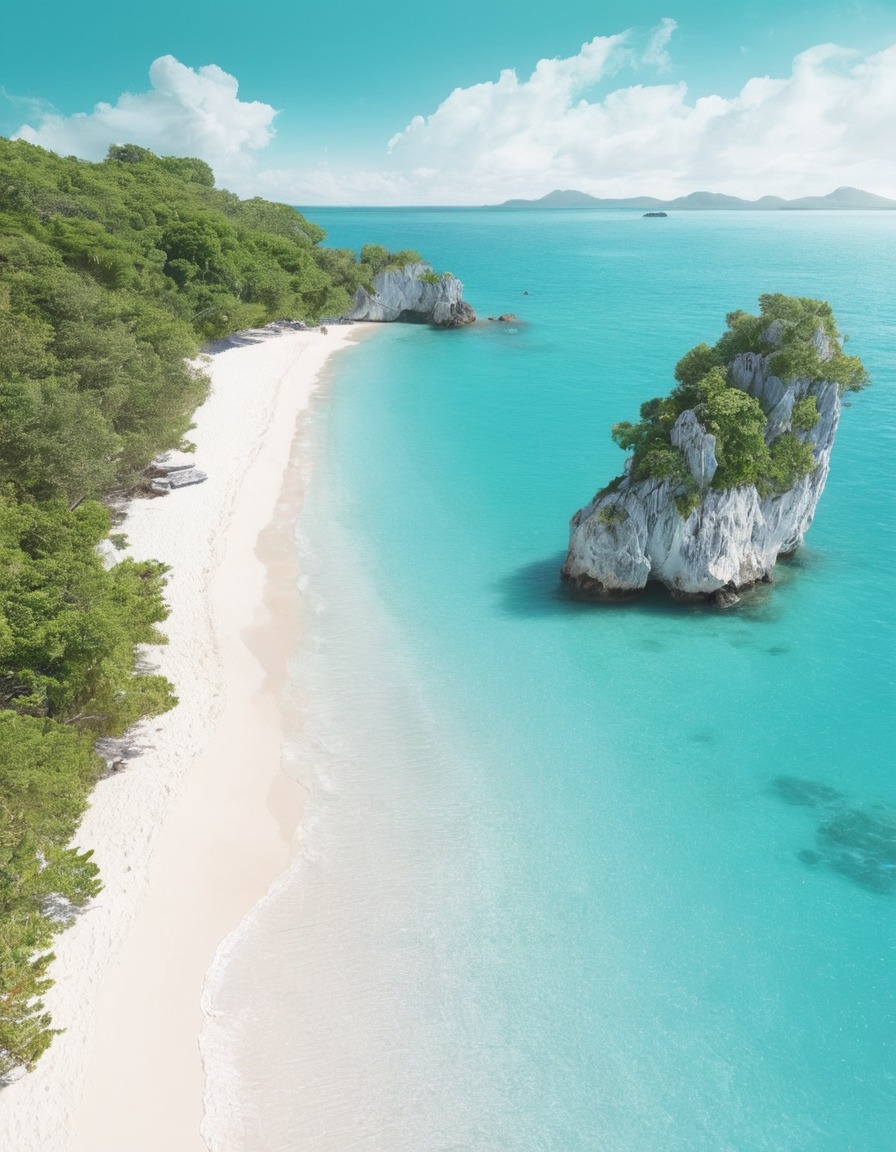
<point>612,515</point>
<point>688,502</point>
<point>789,460</point>
<point>736,419</point>
<point>613,486</point>
<point>379,259</point>
<point>805,414</point>
<point>430,277</point>
<point>46,773</point>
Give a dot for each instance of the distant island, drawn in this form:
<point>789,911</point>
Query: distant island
<point>843,199</point>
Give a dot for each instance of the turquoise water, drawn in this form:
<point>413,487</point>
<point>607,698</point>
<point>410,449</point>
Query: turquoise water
<point>584,877</point>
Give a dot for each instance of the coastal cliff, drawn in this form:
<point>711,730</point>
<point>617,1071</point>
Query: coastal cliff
<point>727,471</point>
<point>415,293</point>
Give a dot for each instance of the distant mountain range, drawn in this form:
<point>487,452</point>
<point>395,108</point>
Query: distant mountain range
<point>843,198</point>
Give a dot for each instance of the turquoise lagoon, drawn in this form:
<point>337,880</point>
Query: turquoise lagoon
<point>576,877</point>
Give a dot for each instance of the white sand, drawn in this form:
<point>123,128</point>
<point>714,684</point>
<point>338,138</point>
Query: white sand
<point>193,832</point>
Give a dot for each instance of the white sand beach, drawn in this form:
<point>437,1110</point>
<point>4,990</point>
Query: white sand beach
<point>201,820</point>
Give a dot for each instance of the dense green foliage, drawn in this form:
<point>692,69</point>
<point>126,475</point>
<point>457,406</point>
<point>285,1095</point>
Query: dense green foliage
<point>786,330</point>
<point>68,628</point>
<point>46,772</point>
<point>111,276</point>
<point>805,414</point>
<point>379,259</point>
<point>430,277</point>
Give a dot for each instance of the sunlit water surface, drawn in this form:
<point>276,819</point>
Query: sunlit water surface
<point>576,877</point>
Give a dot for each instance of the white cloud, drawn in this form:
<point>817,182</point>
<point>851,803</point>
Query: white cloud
<point>570,124</point>
<point>185,113</point>
<point>656,53</point>
<point>827,124</point>
<point>476,118</point>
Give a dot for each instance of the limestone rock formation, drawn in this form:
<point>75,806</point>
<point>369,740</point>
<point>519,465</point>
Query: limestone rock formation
<point>414,293</point>
<point>721,540</point>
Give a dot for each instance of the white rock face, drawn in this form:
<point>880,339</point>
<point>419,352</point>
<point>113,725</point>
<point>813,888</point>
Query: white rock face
<point>698,446</point>
<point>403,295</point>
<point>734,537</point>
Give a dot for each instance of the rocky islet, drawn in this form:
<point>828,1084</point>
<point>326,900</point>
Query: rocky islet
<point>633,531</point>
<point>414,293</point>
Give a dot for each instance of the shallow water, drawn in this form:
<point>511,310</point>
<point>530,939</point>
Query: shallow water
<point>576,877</point>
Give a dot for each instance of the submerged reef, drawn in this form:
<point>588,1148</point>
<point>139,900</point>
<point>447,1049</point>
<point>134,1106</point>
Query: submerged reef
<point>858,843</point>
<point>414,293</point>
<point>725,472</point>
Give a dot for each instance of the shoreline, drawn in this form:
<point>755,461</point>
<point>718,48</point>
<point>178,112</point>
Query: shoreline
<point>191,835</point>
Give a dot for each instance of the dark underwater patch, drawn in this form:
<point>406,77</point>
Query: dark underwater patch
<point>861,847</point>
<point>806,793</point>
<point>858,843</point>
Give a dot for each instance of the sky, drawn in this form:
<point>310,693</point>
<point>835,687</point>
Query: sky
<point>471,102</point>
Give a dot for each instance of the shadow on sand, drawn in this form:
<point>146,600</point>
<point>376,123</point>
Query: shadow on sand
<point>253,336</point>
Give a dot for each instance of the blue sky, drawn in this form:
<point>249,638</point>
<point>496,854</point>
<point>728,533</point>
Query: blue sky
<point>347,78</point>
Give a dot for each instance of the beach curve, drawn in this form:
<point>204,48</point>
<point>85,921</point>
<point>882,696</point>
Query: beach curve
<point>192,834</point>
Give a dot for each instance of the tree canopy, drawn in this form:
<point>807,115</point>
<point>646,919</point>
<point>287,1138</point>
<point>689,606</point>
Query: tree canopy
<point>786,331</point>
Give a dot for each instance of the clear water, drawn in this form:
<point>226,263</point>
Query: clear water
<point>577,877</point>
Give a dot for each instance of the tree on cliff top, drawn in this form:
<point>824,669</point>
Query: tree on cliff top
<point>786,330</point>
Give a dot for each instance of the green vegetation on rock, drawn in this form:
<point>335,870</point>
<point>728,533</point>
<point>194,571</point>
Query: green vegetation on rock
<point>612,515</point>
<point>805,414</point>
<point>112,276</point>
<point>786,330</point>
<point>430,277</point>
<point>378,259</point>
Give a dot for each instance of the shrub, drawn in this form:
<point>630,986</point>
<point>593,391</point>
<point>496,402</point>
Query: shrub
<point>786,331</point>
<point>789,460</point>
<point>687,502</point>
<point>612,515</point>
<point>805,414</point>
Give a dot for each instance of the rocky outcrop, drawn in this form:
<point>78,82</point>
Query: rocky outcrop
<point>403,295</point>
<point>633,531</point>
